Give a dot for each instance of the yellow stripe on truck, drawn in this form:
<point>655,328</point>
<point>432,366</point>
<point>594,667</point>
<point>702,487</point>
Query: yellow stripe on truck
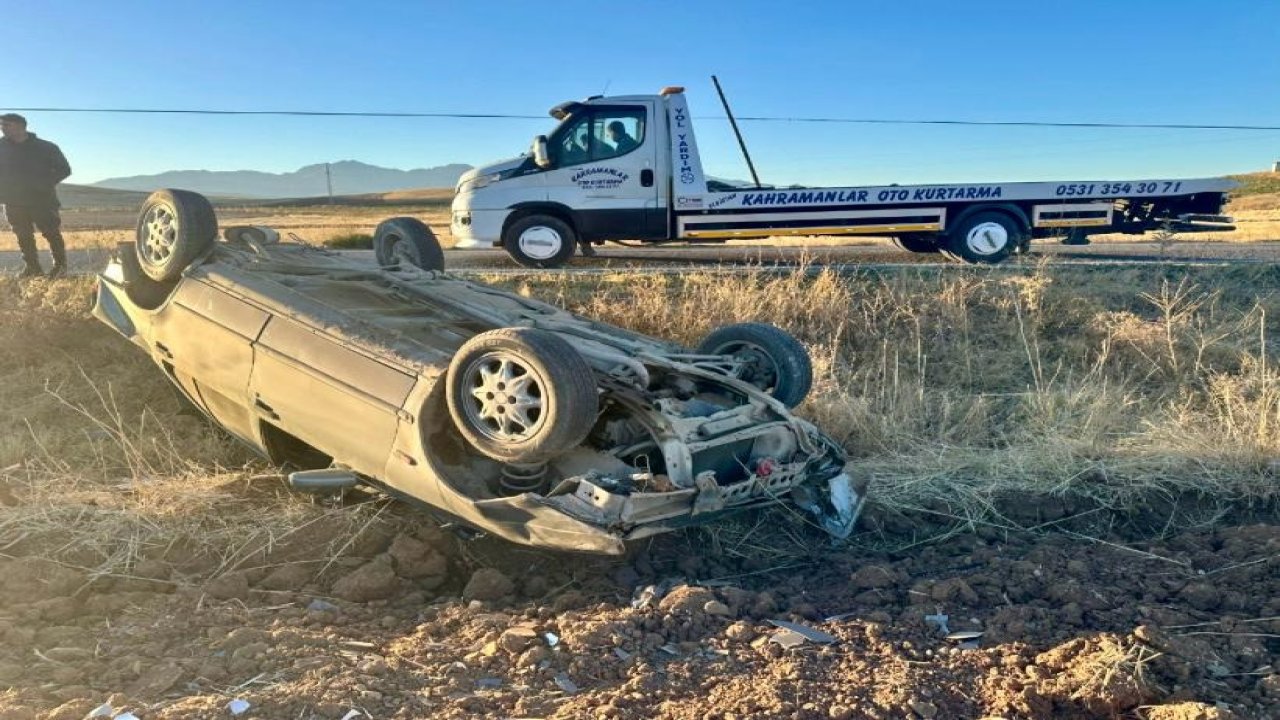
<point>840,230</point>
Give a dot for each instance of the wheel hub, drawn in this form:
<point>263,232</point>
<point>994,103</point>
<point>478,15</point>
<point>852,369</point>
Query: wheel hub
<point>758,368</point>
<point>987,238</point>
<point>161,234</point>
<point>504,398</point>
<point>540,242</point>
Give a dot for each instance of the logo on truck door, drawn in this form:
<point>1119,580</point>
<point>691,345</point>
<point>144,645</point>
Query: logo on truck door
<point>599,178</point>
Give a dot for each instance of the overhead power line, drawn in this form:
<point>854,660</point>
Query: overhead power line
<point>510,116</point>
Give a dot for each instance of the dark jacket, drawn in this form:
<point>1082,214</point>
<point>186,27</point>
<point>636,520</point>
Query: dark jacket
<point>29,172</point>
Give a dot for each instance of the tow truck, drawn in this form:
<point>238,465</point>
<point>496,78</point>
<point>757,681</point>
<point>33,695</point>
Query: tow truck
<point>627,168</point>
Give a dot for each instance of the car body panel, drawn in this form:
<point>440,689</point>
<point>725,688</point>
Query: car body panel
<point>291,345</point>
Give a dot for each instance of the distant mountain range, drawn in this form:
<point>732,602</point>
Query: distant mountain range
<point>350,177</point>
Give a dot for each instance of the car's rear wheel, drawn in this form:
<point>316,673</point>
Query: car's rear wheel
<point>175,228</point>
<point>772,359</point>
<point>407,240</point>
<point>521,395</point>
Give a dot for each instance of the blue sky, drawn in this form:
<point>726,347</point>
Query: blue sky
<point>1173,61</point>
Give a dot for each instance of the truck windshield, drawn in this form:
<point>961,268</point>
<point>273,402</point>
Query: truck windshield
<point>597,133</point>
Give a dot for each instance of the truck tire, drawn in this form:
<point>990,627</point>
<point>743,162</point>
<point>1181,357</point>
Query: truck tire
<point>174,228</point>
<point>540,241</point>
<point>985,237</point>
<point>521,395</point>
<point>775,361</point>
<point>407,240</point>
<point>916,243</point>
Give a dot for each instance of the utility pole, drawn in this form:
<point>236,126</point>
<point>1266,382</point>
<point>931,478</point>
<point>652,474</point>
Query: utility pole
<point>328,180</point>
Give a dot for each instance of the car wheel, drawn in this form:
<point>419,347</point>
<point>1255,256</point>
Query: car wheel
<point>174,228</point>
<point>984,237</point>
<point>407,240</point>
<point>774,361</point>
<point>521,395</point>
<point>540,241</point>
<point>916,243</point>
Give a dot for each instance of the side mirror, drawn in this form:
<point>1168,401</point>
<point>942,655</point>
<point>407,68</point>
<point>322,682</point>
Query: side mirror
<point>540,157</point>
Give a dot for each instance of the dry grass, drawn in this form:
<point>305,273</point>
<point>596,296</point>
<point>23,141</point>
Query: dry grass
<point>952,389</point>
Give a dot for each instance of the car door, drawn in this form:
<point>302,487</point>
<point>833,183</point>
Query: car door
<point>204,339</point>
<point>325,392</point>
<point>604,163</point>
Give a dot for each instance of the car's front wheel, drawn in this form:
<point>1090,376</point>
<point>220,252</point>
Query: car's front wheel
<point>521,395</point>
<point>772,359</point>
<point>174,228</point>
<point>540,241</point>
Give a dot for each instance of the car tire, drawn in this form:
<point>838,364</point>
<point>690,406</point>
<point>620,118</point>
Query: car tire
<point>175,227</point>
<point>776,362</point>
<point>540,241</point>
<point>407,240</point>
<point>916,243</point>
<point>986,237</point>
<point>521,395</point>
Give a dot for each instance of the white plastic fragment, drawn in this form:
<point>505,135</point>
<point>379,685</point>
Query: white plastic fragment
<point>551,638</point>
<point>127,716</point>
<point>102,711</point>
<point>238,706</point>
<point>352,714</point>
<point>939,621</point>
<point>788,639</point>
<point>805,631</point>
<point>670,649</point>
<point>964,635</point>
<point>622,654</point>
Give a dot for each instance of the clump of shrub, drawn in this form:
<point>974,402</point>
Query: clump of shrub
<point>351,241</point>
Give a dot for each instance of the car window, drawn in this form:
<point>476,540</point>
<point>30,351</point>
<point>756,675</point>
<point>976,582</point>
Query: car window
<point>597,134</point>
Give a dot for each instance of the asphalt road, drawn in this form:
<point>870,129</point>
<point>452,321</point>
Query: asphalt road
<point>732,258</point>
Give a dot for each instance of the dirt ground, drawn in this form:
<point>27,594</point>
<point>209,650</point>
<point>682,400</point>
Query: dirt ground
<point>413,621</point>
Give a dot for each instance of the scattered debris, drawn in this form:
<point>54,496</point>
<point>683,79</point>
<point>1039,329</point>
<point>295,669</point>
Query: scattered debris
<point>670,649</point>
<point>318,605</point>
<point>622,654</point>
<point>565,684</point>
<point>939,621</point>
<point>353,714</point>
<point>102,711</point>
<point>788,639</point>
<point>551,638</point>
<point>804,631</point>
<point>238,706</point>
<point>964,635</point>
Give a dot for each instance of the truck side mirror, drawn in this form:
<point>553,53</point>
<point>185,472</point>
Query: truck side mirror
<point>540,157</point>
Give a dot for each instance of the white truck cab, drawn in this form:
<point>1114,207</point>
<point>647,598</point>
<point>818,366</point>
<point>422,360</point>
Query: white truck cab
<point>627,168</point>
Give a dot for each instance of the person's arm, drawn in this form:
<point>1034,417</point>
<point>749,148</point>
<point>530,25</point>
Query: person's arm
<point>59,168</point>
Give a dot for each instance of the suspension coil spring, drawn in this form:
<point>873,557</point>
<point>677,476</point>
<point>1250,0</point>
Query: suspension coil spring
<point>520,478</point>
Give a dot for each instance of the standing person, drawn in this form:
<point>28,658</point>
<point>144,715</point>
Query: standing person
<point>30,170</point>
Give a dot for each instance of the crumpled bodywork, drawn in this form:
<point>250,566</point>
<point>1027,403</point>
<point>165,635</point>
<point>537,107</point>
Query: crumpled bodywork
<point>315,359</point>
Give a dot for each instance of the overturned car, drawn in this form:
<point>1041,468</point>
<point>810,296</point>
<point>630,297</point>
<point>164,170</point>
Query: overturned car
<point>507,414</point>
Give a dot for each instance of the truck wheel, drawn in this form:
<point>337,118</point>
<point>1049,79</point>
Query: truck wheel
<point>916,243</point>
<point>407,240</point>
<point>540,241</point>
<point>521,395</point>
<point>984,237</point>
<point>174,228</point>
<point>774,361</point>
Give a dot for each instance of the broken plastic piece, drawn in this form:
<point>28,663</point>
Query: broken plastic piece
<point>352,714</point>
<point>939,621</point>
<point>788,639</point>
<point>963,635</point>
<point>238,706</point>
<point>102,711</point>
<point>565,684</point>
<point>127,716</point>
<point>805,631</point>
<point>551,638</point>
